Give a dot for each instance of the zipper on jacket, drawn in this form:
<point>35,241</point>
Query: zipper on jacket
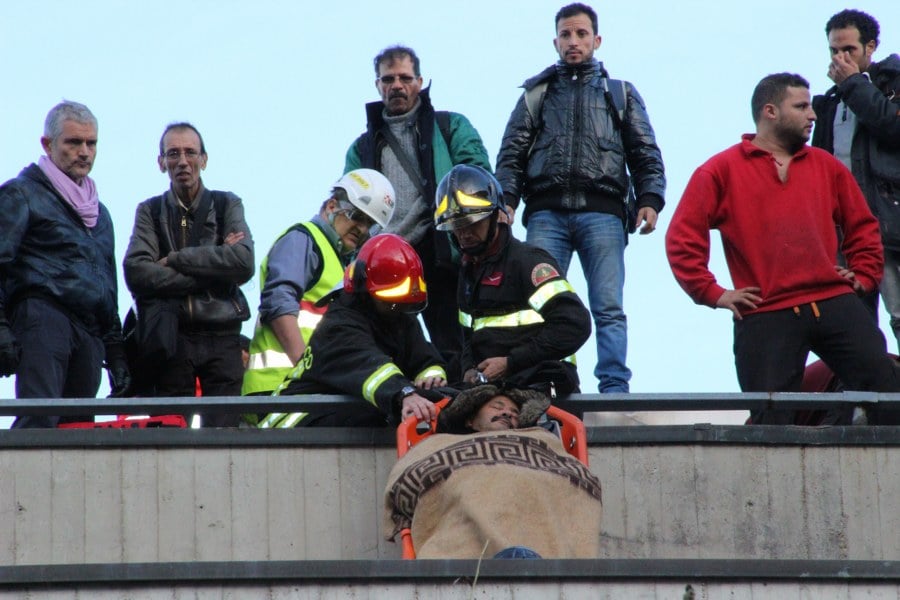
<point>184,241</point>
<point>576,133</point>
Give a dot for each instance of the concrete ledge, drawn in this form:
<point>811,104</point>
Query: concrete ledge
<point>447,571</point>
<point>699,434</point>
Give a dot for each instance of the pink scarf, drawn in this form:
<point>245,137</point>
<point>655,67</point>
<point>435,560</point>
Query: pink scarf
<point>83,198</point>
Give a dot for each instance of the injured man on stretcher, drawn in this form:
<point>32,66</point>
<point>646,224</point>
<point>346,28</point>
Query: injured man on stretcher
<point>490,480</point>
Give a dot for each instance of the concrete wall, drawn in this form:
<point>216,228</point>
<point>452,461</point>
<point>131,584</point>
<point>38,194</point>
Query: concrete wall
<point>71,505</point>
<point>485,591</point>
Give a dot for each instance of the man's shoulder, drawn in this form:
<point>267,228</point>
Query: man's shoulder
<point>225,196</point>
<point>152,200</point>
<point>890,65</point>
<point>534,261</point>
<point>725,159</point>
<point>27,177</point>
<point>545,76</point>
<point>823,157</point>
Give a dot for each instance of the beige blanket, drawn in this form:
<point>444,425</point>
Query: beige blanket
<point>511,488</point>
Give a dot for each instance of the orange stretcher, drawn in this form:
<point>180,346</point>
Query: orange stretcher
<point>411,432</point>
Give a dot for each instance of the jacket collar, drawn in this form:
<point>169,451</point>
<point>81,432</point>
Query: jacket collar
<point>750,149</point>
<point>588,70</point>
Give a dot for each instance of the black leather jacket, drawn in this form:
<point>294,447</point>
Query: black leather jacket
<point>47,251</point>
<point>573,155</point>
<point>875,149</point>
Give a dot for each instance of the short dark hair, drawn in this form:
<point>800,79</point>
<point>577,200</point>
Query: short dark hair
<point>392,53</point>
<point>179,125</point>
<point>865,23</point>
<point>772,89</point>
<point>576,8</point>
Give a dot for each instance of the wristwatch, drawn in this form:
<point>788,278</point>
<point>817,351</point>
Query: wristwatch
<point>407,390</point>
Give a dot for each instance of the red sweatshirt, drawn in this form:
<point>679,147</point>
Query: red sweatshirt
<point>779,237</point>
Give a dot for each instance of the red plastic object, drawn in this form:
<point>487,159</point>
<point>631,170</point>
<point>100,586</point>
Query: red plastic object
<point>126,422</point>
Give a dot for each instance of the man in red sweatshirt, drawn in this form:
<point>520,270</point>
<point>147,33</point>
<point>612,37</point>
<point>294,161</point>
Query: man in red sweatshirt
<point>776,203</point>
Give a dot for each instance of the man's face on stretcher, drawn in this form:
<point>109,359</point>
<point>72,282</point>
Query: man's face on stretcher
<point>497,414</point>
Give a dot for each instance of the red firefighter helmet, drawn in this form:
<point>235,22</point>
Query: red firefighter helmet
<point>388,269</point>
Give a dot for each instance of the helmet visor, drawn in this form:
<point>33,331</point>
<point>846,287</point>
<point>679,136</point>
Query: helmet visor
<point>462,221</point>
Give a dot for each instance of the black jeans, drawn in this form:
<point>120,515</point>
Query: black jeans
<point>60,359</point>
<point>214,361</point>
<point>771,348</point>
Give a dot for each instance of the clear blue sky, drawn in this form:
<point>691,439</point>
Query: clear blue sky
<point>277,89</point>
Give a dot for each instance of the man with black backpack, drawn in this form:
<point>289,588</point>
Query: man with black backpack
<point>575,146</point>
<point>189,252</point>
<point>415,146</point>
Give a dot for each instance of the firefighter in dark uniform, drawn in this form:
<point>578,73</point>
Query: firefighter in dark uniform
<point>522,320</point>
<point>370,344</point>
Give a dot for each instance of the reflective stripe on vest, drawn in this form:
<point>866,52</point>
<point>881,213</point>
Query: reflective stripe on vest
<point>547,292</point>
<point>374,381</point>
<point>531,316</point>
<point>286,420</point>
<point>269,364</point>
<point>281,420</point>
<point>432,371</point>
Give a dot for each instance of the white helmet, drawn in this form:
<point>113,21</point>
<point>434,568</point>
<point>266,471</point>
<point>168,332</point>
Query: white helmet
<point>371,192</point>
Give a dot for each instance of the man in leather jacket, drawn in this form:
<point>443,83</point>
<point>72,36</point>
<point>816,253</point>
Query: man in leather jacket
<point>859,122</point>
<point>192,245</point>
<point>59,318</point>
<point>569,163</point>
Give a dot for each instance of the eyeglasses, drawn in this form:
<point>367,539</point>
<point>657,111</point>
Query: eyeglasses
<point>358,216</point>
<point>389,79</point>
<point>189,154</point>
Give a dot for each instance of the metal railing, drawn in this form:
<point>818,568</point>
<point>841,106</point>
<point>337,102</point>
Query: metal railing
<point>576,403</point>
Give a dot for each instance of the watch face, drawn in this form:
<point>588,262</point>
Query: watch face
<point>406,391</point>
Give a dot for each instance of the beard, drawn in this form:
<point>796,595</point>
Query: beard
<point>793,137</point>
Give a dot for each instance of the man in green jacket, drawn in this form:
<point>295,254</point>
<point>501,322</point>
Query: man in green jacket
<point>415,146</point>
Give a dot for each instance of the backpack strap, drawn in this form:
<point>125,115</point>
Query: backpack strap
<point>157,205</point>
<point>220,200</point>
<point>616,96</point>
<point>443,121</point>
<point>534,98</point>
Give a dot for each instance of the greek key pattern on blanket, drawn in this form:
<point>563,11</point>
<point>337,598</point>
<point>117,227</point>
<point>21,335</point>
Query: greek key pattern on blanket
<point>509,450</point>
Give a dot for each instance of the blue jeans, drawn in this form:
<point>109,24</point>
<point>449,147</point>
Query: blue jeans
<point>599,240</point>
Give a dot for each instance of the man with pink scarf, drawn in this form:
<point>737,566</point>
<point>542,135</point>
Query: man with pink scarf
<point>59,321</point>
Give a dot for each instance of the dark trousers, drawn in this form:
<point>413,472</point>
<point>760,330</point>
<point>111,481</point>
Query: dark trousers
<point>441,316</point>
<point>60,359</point>
<point>771,348</point>
<point>214,360</point>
